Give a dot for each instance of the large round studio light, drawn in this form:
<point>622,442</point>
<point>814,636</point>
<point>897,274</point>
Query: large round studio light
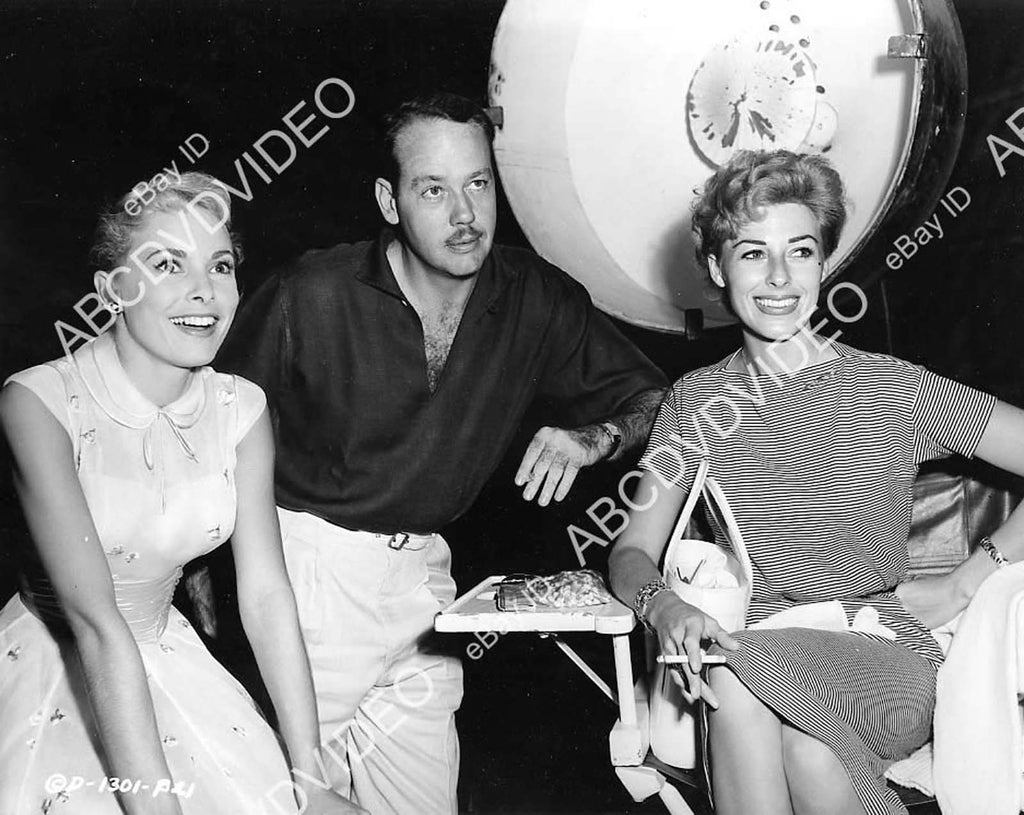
<point>613,112</point>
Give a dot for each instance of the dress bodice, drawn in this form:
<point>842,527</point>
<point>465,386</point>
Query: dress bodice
<point>144,603</point>
<point>159,481</point>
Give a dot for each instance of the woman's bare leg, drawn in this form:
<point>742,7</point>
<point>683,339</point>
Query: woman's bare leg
<point>818,782</point>
<point>745,737</point>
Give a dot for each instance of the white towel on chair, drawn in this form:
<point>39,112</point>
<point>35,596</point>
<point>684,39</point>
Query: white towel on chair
<point>915,770</point>
<point>979,751</point>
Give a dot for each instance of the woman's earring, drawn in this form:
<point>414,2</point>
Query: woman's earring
<point>114,307</point>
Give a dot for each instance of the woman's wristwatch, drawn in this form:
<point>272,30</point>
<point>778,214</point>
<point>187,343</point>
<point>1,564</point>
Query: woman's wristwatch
<point>993,552</point>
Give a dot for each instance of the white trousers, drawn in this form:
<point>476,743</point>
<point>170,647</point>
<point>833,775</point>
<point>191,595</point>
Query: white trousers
<point>386,704</point>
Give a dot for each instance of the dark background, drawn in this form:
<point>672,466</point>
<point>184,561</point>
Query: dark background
<point>97,97</point>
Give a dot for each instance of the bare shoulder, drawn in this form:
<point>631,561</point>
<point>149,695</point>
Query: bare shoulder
<point>36,393</point>
<point>33,432</point>
<point>19,403</point>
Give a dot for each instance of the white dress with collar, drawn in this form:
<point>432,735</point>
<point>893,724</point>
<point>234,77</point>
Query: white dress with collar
<point>160,486</point>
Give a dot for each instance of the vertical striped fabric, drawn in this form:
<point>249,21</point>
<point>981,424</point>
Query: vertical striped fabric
<point>818,467</point>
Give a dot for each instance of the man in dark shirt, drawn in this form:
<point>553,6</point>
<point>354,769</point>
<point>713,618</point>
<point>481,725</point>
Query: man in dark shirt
<point>397,373</point>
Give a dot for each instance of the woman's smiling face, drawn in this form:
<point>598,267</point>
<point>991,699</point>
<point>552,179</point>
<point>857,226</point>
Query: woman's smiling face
<point>772,270</point>
<point>178,288</point>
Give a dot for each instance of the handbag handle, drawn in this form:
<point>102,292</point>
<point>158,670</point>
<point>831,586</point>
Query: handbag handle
<point>715,497</point>
<point>706,486</point>
<point>679,531</point>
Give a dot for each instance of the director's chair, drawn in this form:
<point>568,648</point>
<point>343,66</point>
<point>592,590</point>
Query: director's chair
<point>955,503</point>
<point>639,770</point>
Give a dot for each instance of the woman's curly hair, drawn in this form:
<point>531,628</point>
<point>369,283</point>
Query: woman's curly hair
<point>754,179</point>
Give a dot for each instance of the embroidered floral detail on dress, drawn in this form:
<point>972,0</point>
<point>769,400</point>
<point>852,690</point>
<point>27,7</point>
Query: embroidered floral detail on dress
<point>46,806</point>
<point>167,649</point>
<point>31,743</point>
<point>57,715</point>
<point>227,476</point>
<point>226,771</point>
<point>131,556</point>
<point>89,436</point>
<point>117,550</point>
<point>63,796</point>
<point>225,397</point>
<point>14,653</point>
<point>819,379</point>
<point>36,717</point>
<point>170,741</point>
<point>239,730</point>
<point>73,401</point>
<point>214,533</point>
<point>184,623</point>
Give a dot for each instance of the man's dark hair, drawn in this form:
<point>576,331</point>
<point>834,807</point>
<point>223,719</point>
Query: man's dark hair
<point>447,106</point>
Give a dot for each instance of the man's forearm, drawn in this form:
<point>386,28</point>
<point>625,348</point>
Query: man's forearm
<point>635,419</point>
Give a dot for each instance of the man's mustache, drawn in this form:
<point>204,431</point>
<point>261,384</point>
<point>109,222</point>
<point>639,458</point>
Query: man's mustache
<point>465,235</point>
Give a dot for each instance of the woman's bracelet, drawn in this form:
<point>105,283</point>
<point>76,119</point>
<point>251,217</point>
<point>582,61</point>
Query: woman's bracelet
<point>993,552</point>
<point>644,597</point>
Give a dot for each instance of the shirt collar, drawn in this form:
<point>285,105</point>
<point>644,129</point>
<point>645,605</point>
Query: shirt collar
<point>114,392</point>
<point>377,272</point>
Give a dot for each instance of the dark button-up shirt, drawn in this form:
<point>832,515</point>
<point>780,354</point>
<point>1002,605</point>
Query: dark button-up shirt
<point>361,440</point>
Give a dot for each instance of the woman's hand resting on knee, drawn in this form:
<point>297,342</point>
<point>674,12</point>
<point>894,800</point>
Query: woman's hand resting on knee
<point>681,629</point>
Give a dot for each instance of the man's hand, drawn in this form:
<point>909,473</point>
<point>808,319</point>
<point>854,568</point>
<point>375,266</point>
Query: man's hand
<point>200,591</point>
<point>555,456</point>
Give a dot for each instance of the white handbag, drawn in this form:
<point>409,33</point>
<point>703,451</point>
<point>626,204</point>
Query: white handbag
<point>715,581</point>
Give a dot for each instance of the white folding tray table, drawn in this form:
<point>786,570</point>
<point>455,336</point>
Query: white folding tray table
<point>629,740</point>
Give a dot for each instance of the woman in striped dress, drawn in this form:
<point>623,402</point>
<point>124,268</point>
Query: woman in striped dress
<point>816,445</point>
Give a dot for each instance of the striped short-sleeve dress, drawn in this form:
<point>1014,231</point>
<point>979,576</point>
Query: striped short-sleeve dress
<point>818,466</point>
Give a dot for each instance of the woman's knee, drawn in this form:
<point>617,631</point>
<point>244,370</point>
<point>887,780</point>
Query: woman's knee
<point>728,687</point>
<point>808,756</point>
<point>735,700</point>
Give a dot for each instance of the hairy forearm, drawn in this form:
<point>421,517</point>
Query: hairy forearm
<point>271,624</point>
<point>118,691</point>
<point>636,417</point>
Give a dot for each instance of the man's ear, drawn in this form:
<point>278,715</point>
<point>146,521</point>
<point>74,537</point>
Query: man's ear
<point>716,272</point>
<point>386,200</point>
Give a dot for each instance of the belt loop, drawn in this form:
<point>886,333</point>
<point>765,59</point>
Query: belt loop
<point>398,540</point>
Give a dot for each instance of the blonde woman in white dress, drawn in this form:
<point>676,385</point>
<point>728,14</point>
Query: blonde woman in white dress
<point>131,458</point>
